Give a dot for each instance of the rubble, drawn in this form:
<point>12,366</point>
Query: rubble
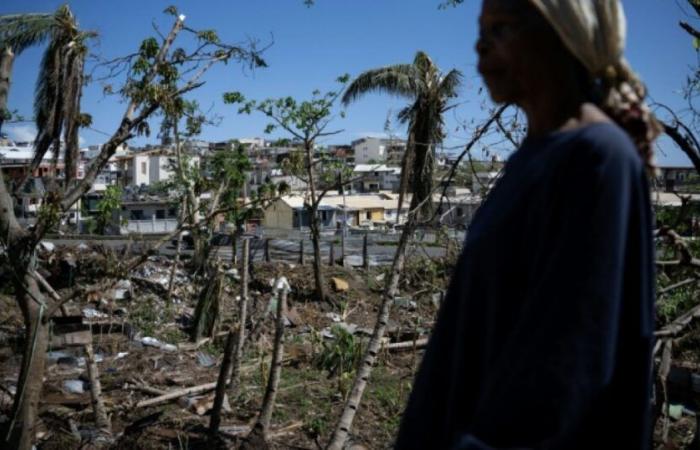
<point>148,369</point>
<point>340,285</point>
<point>153,342</point>
<point>74,386</point>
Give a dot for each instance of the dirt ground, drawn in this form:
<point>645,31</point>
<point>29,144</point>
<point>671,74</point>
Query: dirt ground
<point>310,396</point>
<point>143,350</point>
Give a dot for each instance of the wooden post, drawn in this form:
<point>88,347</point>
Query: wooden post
<point>234,248</point>
<point>215,420</point>
<point>268,405</point>
<point>342,248</point>
<point>365,255</point>
<point>267,250</point>
<point>98,406</point>
<point>242,318</point>
<point>331,254</point>
<point>301,252</point>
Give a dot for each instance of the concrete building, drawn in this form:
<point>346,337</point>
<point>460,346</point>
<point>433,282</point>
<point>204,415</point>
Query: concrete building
<point>376,177</point>
<point>147,216</point>
<point>678,178</point>
<point>147,168</point>
<point>372,150</point>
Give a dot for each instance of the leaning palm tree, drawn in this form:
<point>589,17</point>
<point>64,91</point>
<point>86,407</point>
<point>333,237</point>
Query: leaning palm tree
<point>57,112</point>
<point>57,95</point>
<point>17,33</point>
<point>429,92</point>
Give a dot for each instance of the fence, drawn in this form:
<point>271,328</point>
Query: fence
<point>152,226</point>
<point>369,249</point>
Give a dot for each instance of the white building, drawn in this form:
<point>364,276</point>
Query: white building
<point>376,177</point>
<point>369,150</point>
<point>160,168</point>
<point>149,167</point>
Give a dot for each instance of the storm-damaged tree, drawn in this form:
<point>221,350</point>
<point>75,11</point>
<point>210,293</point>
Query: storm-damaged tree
<point>21,31</point>
<point>154,76</point>
<point>306,121</point>
<point>429,91</point>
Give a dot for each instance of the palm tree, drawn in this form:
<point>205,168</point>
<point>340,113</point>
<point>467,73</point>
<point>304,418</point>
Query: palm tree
<point>60,80</point>
<point>430,92</point>
<point>17,33</point>
<point>57,110</point>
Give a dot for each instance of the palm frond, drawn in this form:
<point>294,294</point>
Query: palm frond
<point>449,84</point>
<point>400,79</point>
<point>72,81</point>
<point>20,31</point>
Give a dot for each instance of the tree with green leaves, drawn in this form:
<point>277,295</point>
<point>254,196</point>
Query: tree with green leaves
<point>156,76</point>
<point>306,121</point>
<point>429,92</point>
<point>110,202</point>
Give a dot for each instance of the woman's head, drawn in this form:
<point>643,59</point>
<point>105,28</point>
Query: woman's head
<point>519,52</point>
<point>529,48</point>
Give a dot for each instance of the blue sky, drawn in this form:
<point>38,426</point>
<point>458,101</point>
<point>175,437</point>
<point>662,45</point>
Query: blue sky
<point>312,46</point>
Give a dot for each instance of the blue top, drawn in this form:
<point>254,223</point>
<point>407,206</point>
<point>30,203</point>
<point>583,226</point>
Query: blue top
<point>544,339</point>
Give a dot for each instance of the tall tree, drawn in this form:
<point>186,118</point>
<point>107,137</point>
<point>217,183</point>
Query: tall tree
<point>430,91</point>
<point>306,121</point>
<point>156,75</point>
<point>17,33</point>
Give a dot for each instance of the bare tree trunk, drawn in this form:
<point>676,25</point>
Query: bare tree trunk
<point>319,279</point>
<point>98,406</point>
<point>22,428</point>
<point>363,373</point>
<point>171,282</point>
<point>277,353</point>
<point>6,60</point>
<point>207,311</point>
<point>234,248</point>
<point>301,252</point>
<point>331,254</point>
<point>215,420</point>
<point>365,253</point>
<point>242,318</point>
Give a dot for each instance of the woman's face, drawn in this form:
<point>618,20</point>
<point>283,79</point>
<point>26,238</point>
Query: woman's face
<point>517,50</point>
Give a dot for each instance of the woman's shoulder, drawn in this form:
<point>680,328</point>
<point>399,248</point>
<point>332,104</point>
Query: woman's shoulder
<point>605,143</point>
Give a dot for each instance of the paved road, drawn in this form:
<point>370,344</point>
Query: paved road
<point>380,249</point>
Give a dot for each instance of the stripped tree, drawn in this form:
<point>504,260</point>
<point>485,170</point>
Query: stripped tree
<point>156,75</point>
<point>430,92</point>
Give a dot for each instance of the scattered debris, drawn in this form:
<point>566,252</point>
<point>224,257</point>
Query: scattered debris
<point>47,246</point>
<point>205,360</point>
<point>74,386</point>
<point>340,285</point>
<point>153,342</point>
<point>405,302</point>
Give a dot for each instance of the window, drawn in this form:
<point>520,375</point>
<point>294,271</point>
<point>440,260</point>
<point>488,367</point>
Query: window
<point>143,168</point>
<point>160,214</point>
<point>137,214</point>
<point>460,212</point>
<point>368,215</point>
<point>172,212</point>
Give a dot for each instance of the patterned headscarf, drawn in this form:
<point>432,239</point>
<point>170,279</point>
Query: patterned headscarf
<point>594,31</point>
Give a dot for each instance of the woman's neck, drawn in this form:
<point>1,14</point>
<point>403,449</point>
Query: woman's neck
<point>553,110</point>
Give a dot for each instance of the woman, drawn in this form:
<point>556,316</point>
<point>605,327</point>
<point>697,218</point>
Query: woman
<point>544,339</point>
